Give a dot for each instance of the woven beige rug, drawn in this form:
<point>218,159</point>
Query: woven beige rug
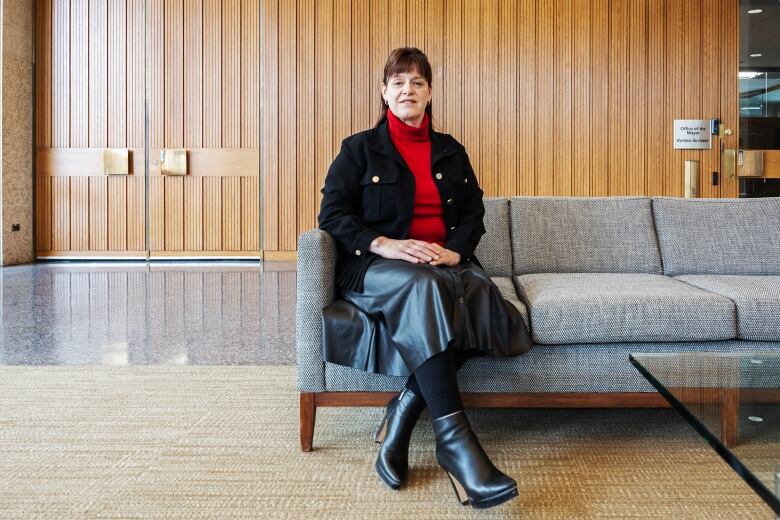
<point>222,442</point>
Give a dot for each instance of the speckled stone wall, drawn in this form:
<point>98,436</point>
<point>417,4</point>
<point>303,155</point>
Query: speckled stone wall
<point>17,152</point>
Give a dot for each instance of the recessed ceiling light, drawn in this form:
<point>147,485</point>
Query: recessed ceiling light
<point>755,11</point>
<point>757,55</point>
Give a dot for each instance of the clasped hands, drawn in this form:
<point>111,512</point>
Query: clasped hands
<point>414,251</point>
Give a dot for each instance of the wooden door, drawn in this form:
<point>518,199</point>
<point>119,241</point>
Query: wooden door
<point>203,96</point>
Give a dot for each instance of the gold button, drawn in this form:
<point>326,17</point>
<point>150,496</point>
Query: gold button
<point>357,252</point>
<point>439,176</point>
<point>449,201</point>
<point>466,181</point>
<point>375,178</point>
<point>453,227</point>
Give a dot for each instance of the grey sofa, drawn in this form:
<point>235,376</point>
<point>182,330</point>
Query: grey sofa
<point>595,279</point>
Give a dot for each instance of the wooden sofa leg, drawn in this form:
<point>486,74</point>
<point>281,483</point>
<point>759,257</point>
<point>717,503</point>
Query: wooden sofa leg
<point>308,415</point>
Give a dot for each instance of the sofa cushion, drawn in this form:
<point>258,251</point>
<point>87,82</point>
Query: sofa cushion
<point>583,235</point>
<point>757,299</point>
<point>507,288</point>
<point>613,307</point>
<point>718,236</point>
<point>494,251</point>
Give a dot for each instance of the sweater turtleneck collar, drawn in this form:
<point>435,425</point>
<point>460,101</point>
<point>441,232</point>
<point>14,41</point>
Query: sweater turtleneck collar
<point>400,130</point>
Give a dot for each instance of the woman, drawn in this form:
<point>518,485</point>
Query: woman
<point>406,211</point>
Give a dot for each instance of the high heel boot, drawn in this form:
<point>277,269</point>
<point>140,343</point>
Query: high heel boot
<point>474,478</point>
<point>394,433</point>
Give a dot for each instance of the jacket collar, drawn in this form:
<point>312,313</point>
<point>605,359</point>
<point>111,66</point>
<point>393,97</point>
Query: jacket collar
<point>381,143</point>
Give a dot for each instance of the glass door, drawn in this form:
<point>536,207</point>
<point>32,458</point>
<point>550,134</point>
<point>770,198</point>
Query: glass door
<point>758,157</point>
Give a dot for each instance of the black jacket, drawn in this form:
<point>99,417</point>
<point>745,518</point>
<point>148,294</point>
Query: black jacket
<point>369,192</point>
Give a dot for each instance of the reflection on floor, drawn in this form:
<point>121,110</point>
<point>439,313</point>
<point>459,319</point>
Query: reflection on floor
<point>147,313</point>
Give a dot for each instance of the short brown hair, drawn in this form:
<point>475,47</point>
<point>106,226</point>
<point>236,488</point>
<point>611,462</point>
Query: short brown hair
<point>405,59</point>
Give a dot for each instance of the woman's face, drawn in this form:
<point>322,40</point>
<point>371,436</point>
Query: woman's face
<point>407,95</point>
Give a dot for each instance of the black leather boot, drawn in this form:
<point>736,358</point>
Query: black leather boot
<point>474,478</point>
<point>395,430</point>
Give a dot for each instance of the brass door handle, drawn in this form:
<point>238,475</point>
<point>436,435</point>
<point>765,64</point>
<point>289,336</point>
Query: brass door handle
<point>173,161</point>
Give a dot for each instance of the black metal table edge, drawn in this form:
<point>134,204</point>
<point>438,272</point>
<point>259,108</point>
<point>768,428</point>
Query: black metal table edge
<point>772,500</point>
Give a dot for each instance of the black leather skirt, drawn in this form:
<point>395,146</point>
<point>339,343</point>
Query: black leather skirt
<point>408,313</point>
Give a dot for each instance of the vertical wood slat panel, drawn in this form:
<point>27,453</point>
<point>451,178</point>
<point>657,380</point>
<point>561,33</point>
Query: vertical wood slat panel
<point>729,16</point>
<point>507,97</point>
<point>416,23</point>
<point>691,93</point>
<point>342,70</point>
<point>379,50</point>
<point>79,73</point>
<point>117,73</point>
<point>396,21</point>
<point>156,68</point>
<point>43,72</point>
<point>250,77</point>
<point>174,213</point>
<point>61,74</point>
<point>562,127</point>
<point>117,213</point>
<point>79,213</point>
<point>599,180</point>
<point>581,98</point>
<point>655,98</point>
<point>136,213</point>
<point>43,213</point>
<point>710,96</point>
<point>60,222</point>
<point>98,74</point>
<point>157,213</point>
<point>323,103</point>
<point>305,194</point>
<point>526,96</point>
<point>231,72</point>
<point>135,76</point>
<point>193,75</point>
<point>471,83</point>
<point>673,90</point>
<point>636,107</point>
<point>453,63</point>
<point>545,111</point>
<point>271,126</point>
<point>212,213</point>
<point>173,66</point>
<point>488,127</point>
<point>618,97</point>
<point>360,84</point>
<point>193,213</point>
<point>98,213</point>
<point>434,48</point>
<point>288,171</point>
<point>250,213</point>
<point>212,73</point>
<point>231,213</point>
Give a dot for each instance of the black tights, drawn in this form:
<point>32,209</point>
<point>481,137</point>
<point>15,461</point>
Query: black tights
<point>436,383</point>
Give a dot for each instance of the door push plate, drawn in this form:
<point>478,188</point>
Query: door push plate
<point>750,163</point>
<point>173,162</point>
<point>116,161</point>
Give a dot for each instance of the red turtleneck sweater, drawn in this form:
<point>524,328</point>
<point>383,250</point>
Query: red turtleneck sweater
<point>414,145</point>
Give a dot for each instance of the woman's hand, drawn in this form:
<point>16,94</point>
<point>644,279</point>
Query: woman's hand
<point>414,251</point>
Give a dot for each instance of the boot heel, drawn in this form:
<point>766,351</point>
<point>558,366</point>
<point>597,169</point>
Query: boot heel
<point>379,437</point>
<point>463,498</point>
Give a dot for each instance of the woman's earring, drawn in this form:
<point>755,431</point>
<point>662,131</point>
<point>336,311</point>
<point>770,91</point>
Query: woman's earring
<point>386,103</point>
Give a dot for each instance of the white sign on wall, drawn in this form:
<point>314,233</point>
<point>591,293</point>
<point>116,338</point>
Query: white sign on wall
<point>692,134</point>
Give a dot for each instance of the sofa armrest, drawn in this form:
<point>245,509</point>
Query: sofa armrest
<point>315,290</point>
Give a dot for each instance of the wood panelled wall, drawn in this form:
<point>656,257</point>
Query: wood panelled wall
<point>559,97</point>
<point>204,95</point>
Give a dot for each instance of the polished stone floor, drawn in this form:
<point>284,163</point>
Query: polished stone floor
<point>142,313</point>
